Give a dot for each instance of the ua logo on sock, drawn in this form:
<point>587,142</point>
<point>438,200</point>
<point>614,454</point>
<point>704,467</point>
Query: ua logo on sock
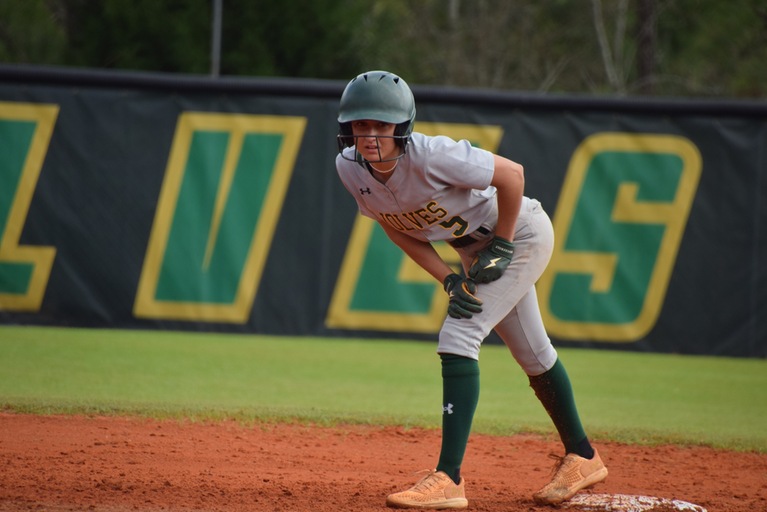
<point>447,409</point>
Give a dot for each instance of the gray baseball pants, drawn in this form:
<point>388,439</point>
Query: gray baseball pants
<point>510,304</point>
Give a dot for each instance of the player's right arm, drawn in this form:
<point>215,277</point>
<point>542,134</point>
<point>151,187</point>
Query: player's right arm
<point>423,253</point>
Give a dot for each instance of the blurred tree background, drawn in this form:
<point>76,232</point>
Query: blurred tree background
<point>711,48</point>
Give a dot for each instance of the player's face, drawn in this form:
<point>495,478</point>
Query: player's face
<point>374,140</point>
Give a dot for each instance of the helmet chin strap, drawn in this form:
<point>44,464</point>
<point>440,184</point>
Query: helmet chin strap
<point>362,160</point>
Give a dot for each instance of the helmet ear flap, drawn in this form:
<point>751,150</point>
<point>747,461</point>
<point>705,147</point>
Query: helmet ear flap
<point>403,131</point>
<point>345,138</point>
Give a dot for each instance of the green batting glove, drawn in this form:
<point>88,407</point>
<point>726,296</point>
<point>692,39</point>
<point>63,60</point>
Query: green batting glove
<point>490,263</point>
<point>461,291</point>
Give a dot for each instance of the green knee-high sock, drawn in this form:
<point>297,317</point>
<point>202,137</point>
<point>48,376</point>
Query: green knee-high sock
<point>555,392</point>
<point>460,395</point>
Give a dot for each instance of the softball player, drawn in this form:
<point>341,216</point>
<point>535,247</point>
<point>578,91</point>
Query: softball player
<point>425,189</point>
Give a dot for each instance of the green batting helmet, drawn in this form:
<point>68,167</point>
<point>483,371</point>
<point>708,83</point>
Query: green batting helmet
<point>379,96</point>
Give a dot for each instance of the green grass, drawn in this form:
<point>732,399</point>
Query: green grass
<point>626,397</point>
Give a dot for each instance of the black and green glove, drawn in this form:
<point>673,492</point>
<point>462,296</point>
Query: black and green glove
<point>490,263</point>
<point>463,303</point>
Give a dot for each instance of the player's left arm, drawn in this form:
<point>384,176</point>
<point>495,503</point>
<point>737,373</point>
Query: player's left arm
<point>509,181</point>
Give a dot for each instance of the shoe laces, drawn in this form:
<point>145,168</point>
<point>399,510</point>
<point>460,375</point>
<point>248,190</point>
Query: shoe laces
<point>561,462</point>
<point>427,483</point>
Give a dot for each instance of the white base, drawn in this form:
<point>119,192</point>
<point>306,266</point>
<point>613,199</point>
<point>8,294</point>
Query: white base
<point>626,503</point>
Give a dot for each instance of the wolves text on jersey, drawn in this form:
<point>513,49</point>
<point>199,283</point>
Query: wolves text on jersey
<point>423,218</point>
<point>418,219</point>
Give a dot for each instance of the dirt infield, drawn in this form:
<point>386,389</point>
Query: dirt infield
<point>67,463</point>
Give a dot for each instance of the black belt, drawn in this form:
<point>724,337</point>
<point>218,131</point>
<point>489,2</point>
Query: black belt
<point>468,239</point>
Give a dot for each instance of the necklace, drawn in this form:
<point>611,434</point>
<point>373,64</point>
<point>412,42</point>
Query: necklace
<point>396,163</point>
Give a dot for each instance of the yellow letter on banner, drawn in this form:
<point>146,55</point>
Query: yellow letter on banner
<point>24,270</point>
<point>224,188</point>
<point>619,223</point>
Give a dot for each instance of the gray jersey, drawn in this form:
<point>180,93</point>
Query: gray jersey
<point>440,190</point>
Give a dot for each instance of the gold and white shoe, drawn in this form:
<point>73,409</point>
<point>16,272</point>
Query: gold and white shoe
<point>434,491</point>
<point>572,473</point>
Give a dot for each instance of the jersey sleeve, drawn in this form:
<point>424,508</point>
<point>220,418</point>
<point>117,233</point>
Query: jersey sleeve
<point>347,175</point>
<point>460,164</point>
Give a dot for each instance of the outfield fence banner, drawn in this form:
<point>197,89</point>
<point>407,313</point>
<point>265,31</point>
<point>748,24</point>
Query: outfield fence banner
<point>153,201</point>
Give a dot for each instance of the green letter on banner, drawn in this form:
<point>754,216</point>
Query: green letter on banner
<point>224,187</point>
<point>619,223</point>
<point>25,131</point>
